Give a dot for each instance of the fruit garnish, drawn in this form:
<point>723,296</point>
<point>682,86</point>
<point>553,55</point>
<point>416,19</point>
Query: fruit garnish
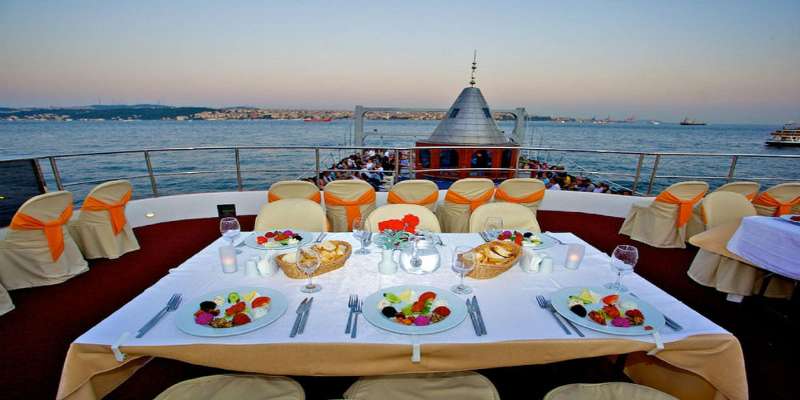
<point>635,316</point>
<point>579,310</point>
<point>427,296</point>
<point>418,307</point>
<point>422,321</point>
<point>611,311</point>
<point>441,310</point>
<point>261,240</point>
<point>518,238</point>
<point>269,234</point>
<point>391,298</point>
<point>597,317</point>
<point>234,297</point>
<point>611,299</point>
<point>250,296</point>
<point>260,301</point>
<point>203,318</point>
<point>621,322</point>
<point>648,328</point>
<point>406,295</point>
<point>389,312</point>
<point>236,308</point>
<point>208,306</point>
<point>241,319</point>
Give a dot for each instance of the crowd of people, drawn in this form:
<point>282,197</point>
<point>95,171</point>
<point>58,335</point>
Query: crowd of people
<point>371,166</point>
<point>555,177</point>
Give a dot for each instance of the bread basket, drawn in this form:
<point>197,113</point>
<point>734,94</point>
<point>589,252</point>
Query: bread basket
<point>497,256</point>
<point>331,259</point>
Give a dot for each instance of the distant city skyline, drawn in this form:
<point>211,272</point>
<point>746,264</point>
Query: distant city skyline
<point>718,61</point>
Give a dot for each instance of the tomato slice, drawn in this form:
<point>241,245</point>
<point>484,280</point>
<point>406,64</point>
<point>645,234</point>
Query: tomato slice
<point>427,295</point>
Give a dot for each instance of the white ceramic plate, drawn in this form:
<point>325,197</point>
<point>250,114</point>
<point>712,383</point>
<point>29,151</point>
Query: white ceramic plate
<point>547,241</point>
<point>652,317</point>
<point>185,314</point>
<point>457,306</point>
<point>250,241</point>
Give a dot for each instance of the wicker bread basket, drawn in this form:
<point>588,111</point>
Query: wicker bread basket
<point>327,265</point>
<point>490,268</point>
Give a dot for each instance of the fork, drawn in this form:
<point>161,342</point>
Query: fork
<point>356,311</point>
<point>543,304</point>
<point>320,237</point>
<point>554,238</point>
<point>571,325</point>
<point>172,305</point>
<point>352,302</point>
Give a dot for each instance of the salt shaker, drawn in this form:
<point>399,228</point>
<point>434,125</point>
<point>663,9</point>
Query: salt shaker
<point>267,266</point>
<point>251,266</point>
<point>546,265</point>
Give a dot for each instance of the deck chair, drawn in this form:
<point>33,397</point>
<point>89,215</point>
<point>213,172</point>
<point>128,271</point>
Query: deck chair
<point>463,197</point>
<point>515,217</point>
<point>466,385</point>
<point>294,190</point>
<point>427,219</point>
<point>416,191</point>
<point>38,249</point>
<point>346,200</point>
<point>779,200</point>
<point>714,265</point>
<point>696,223</point>
<point>606,391</point>
<point>224,387</point>
<point>662,222</point>
<point>301,214</point>
<point>6,304</point>
<point>526,191</point>
<point>101,230</point>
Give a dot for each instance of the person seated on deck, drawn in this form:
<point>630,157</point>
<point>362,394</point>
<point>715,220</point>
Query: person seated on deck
<point>554,184</point>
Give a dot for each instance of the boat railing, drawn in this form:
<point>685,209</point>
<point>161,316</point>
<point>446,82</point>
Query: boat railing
<point>643,173</point>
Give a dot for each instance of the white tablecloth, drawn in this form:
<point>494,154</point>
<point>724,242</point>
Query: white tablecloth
<point>507,301</point>
<point>769,243</point>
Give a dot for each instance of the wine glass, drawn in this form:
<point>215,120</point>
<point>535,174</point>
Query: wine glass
<point>623,259</point>
<point>463,262</point>
<point>492,226</point>
<point>308,261</point>
<point>229,228</point>
<point>360,232</point>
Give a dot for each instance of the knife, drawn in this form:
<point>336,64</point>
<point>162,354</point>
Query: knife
<point>472,317</point>
<point>304,316</point>
<point>478,314</point>
<point>299,312</point>
<point>667,320</point>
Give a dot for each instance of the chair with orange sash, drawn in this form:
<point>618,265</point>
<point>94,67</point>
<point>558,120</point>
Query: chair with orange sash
<point>101,229</point>
<point>38,249</point>
<point>298,214</point>
<point>662,222</point>
<point>294,190</point>
<point>526,191</point>
<point>427,219</point>
<point>697,224</point>
<point>463,197</point>
<point>345,200</point>
<point>779,200</point>
<point>415,191</point>
<point>6,304</point>
<point>514,216</point>
<point>714,265</point>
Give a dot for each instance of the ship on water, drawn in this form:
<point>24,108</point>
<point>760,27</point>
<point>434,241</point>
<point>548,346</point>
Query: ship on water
<point>691,122</point>
<point>788,135</point>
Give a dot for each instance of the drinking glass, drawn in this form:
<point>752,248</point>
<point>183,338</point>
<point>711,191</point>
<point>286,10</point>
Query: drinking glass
<point>229,228</point>
<point>623,259</point>
<point>360,233</point>
<point>493,226</point>
<point>308,261</point>
<point>463,262</point>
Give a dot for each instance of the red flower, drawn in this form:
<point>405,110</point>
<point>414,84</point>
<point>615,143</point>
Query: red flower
<point>390,225</point>
<point>411,221</point>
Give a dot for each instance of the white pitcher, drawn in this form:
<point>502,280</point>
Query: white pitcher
<point>388,264</point>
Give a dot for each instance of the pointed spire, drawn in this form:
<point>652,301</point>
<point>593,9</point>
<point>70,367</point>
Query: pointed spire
<point>474,67</point>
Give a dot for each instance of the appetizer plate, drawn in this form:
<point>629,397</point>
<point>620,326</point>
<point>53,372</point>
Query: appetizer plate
<point>788,217</point>
<point>250,241</point>
<point>652,317</point>
<point>372,311</point>
<point>185,315</point>
<point>547,241</point>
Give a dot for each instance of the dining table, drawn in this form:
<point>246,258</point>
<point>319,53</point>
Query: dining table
<point>700,361</point>
<point>770,243</point>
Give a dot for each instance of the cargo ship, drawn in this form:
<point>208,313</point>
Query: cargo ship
<point>789,135</point>
<point>691,122</point>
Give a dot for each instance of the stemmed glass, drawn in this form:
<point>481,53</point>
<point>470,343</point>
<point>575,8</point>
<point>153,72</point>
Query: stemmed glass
<point>623,259</point>
<point>463,262</point>
<point>308,261</point>
<point>492,226</point>
<point>229,228</point>
<point>360,232</point>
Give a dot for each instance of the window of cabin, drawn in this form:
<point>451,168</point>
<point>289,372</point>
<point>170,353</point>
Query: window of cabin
<point>448,158</point>
<point>425,158</point>
<point>505,161</point>
<point>481,159</point>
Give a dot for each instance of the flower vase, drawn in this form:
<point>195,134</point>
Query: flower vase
<point>388,265</point>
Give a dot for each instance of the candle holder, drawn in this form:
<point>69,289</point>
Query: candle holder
<point>227,257</point>
<point>574,257</point>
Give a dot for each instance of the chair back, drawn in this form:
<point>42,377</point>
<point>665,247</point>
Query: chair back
<point>462,198</point>
<point>345,200</point>
<point>515,216</point>
<point>294,190</point>
<point>6,304</point>
<point>415,191</point>
<point>745,188</point>
<point>526,191</point>
<point>722,207</point>
<point>680,197</point>
<point>41,221</point>
<point>427,219</point>
<point>778,200</point>
<point>606,391</point>
<point>106,202</point>
<point>300,214</point>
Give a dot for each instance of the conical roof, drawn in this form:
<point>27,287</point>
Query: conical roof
<point>469,121</point>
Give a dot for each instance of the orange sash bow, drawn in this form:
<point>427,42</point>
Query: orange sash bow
<point>474,203</point>
<point>116,211</point>
<point>502,195</point>
<point>316,197</point>
<point>52,229</point>
<point>765,199</point>
<point>395,198</point>
<point>352,207</point>
<point>684,206</point>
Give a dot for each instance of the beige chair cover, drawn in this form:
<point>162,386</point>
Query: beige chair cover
<point>746,189</point>
<point>416,191</point>
<point>302,214</point>
<point>235,387</point>
<point>785,192</point>
<point>351,191</point>
<point>6,304</point>
<point>606,391</point>
<point>427,219</point>
<point>656,223</point>
<point>714,265</point>
<point>25,257</point>
<point>526,191</point>
<point>455,385</point>
<point>293,190</point>
<point>93,231</point>
<point>515,216</point>
<point>454,216</point>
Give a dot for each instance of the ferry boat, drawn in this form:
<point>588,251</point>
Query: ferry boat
<point>789,135</point>
<point>691,122</point>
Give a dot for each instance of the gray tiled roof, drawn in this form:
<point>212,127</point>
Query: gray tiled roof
<point>470,125</point>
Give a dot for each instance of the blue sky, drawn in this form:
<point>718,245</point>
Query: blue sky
<point>721,61</point>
